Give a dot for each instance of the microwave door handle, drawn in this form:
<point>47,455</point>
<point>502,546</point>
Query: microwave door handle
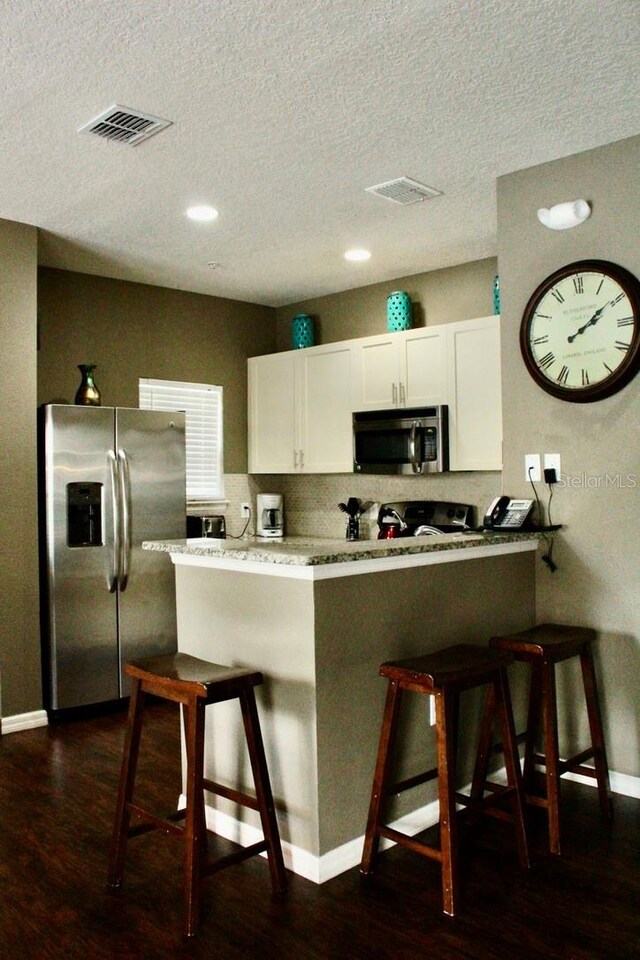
<point>415,464</point>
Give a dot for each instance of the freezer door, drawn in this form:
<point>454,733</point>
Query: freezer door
<point>151,454</point>
<point>81,625</point>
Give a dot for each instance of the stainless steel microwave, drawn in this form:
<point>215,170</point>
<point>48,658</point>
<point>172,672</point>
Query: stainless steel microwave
<point>410,441</point>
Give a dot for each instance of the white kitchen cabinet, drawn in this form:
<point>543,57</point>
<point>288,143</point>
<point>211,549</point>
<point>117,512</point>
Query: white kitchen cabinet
<point>474,394</point>
<point>403,369</point>
<point>300,411</point>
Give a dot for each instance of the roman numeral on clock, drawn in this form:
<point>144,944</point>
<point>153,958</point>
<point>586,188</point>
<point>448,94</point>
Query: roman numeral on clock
<point>622,346</point>
<point>563,376</point>
<point>578,284</point>
<point>557,295</point>
<point>543,339</point>
<point>547,360</point>
<point>617,299</point>
<point>585,378</point>
<point>625,322</point>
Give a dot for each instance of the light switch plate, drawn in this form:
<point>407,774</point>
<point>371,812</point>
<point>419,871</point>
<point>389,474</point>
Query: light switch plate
<point>532,466</point>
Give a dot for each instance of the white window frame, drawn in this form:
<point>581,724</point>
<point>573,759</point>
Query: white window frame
<point>202,405</point>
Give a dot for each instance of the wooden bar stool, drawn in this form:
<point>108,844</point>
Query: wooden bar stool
<point>194,684</point>
<point>446,674</point>
<point>544,646</point>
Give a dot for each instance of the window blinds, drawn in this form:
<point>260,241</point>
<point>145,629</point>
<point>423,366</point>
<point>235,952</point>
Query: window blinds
<point>202,404</point>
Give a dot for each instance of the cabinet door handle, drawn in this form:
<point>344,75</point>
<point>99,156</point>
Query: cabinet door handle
<point>403,400</point>
<point>295,459</point>
<point>394,394</point>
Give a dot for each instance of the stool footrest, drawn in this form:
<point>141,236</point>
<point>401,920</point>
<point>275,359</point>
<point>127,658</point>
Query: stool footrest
<point>244,853</point>
<point>411,782</point>
<point>237,796</point>
<point>155,822</point>
<point>572,763</point>
<point>416,845</point>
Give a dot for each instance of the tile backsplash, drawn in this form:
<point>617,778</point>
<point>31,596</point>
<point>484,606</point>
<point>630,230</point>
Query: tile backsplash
<point>311,500</point>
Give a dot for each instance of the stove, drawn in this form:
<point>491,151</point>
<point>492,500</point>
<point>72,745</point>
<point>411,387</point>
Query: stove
<point>414,518</point>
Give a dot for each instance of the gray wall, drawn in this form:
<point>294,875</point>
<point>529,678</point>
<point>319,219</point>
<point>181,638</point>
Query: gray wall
<point>133,330</point>
<point>19,631</point>
<point>598,577</point>
<point>440,296</point>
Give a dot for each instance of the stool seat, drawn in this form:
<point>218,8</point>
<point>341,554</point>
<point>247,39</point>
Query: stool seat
<point>194,684</point>
<point>179,672</point>
<point>543,647</point>
<point>458,664</point>
<point>552,642</point>
<point>445,674</point>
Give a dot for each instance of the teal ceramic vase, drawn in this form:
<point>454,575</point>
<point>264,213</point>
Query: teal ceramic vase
<point>302,331</point>
<point>399,311</point>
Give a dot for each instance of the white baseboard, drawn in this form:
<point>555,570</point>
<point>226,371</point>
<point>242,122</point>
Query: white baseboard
<point>24,721</point>
<point>319,869</point>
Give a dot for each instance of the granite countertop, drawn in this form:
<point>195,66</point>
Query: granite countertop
<point>317,551</point>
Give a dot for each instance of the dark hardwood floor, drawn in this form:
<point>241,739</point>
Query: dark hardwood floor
<point>57,794</point>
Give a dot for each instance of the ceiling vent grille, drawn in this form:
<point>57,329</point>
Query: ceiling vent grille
<point>404,190</point>
<point>125,125</point>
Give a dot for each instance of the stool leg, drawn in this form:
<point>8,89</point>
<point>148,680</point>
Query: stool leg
<point>533,722</point>
<point>194,836</point>
<point>551,751</point>
<point>446,723</point>
<point>381,777</point>
<point>512,762</point>
<point>263,789</point>
<point>595,725</point>
<point>485,740</point>
<point>127,781</point>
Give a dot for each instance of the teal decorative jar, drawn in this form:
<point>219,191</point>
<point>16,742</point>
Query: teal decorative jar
<point>302,331</point>
<point>399,311</point>
<point>496,294</point>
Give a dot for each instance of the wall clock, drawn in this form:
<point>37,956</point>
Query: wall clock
<point>580,331</point>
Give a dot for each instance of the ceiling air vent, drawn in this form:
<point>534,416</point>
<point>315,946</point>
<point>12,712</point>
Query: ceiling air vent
<point>404,190</point>
<point>125,125</point>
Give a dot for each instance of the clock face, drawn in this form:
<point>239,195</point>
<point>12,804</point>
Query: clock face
<point>580,333</point>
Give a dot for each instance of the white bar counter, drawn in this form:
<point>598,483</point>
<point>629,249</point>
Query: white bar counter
<point>318,617</point>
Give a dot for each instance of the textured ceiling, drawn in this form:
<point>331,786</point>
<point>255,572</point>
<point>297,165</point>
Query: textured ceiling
<point>283,112</point>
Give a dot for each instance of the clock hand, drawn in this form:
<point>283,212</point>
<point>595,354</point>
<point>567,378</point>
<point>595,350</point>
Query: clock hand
<point>594,319</point>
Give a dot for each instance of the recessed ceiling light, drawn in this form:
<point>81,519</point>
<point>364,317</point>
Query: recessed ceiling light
<point>357,255</point>
<point>202,213</point>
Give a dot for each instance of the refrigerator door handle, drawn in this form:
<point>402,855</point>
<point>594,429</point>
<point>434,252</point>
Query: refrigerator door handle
<point>125,503</point>
<point>114,574</point>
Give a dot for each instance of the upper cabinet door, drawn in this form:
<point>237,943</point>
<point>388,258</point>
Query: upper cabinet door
<point>423,367</point>
<point>324,399</point>
<point>475,397</point>
<point>272,414</point>
<point>376,373</point>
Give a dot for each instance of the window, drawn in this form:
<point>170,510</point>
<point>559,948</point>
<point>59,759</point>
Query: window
<point>202,403</point>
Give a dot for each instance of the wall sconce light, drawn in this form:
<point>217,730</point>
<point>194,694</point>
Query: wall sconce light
<point>562,216</point>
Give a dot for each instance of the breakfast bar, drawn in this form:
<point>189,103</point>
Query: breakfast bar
<point>318,617</point>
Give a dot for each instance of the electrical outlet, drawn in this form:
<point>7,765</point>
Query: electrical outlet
<point>245,510</point>
<point>552,462</point>
<point>532,466</point>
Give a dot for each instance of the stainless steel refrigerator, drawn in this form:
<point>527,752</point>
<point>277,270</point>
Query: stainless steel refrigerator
<point>111,478</point>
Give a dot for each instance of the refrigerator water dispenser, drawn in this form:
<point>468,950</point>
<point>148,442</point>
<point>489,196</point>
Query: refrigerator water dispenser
<point>84,514</point>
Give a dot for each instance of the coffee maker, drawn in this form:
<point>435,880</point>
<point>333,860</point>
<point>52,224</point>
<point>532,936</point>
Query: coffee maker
<point>269,515</point>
